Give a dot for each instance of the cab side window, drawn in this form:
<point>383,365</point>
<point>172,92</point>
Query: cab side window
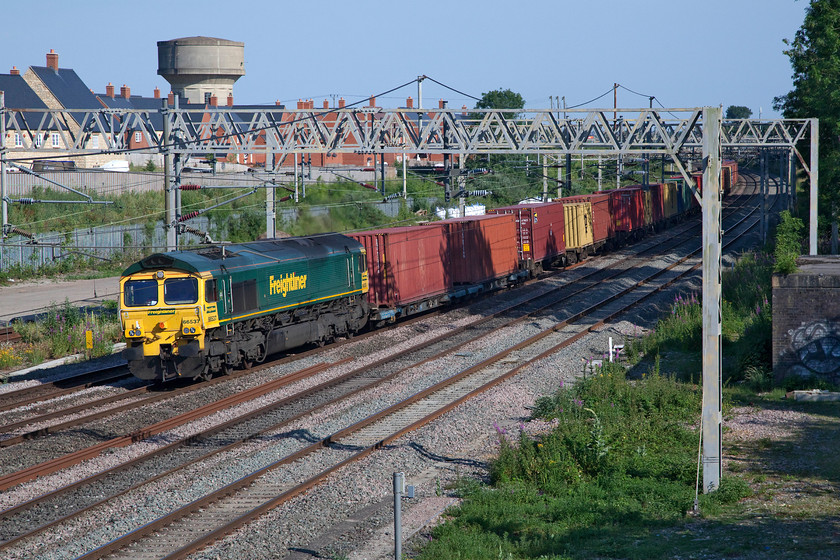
<point>210,293</point>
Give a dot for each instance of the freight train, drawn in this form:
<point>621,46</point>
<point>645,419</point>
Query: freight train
<point>199,313</point>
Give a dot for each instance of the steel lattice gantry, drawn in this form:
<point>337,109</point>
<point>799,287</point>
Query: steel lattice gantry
<point>279,132</point>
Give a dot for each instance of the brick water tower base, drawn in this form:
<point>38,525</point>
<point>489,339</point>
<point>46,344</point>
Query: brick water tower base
<point>806,320</point>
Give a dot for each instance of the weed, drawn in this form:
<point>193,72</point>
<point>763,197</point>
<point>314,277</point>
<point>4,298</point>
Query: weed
<point>788,243</point>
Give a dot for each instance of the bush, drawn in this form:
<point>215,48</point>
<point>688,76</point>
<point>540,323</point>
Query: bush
<point>788,243</point>
<point>62,332</point>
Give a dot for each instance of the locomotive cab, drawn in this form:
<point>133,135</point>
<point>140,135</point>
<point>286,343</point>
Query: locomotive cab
<point>164,316</point>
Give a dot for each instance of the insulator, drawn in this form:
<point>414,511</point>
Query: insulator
<point>285,198</point>
<point>190,187</point>
<point>26,201</point>
<point>479,193</point>
<point>392,196</point>
<point>13,229</point>
<point>189,216</point>
<point>369,186</point>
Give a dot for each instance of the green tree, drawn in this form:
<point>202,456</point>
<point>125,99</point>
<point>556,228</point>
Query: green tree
<point>500,99</point>
<point>814,55</point>
<point>738,112</point>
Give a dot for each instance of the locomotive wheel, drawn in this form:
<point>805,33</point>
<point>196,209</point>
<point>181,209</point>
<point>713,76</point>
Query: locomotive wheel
<point>246,363</point>
<point>206,374</point>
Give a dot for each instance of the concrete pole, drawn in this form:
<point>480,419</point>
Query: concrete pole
<point>3,202</point>
<point>559,179</point>
<point>618,172</point>
<point>791,180</point>
<point>599,174</point>
<point>462,185</point>
<point>762,158</point>
<point>177,167</point>
<point>712,403</point>
<point>815,180</point>
<point>405,179</point>
<point>782,176</point>
<point>545,178</point>
<point>270,213</point>
<point>169,193</point>
<point>297,195</point>
<point>399,484</point>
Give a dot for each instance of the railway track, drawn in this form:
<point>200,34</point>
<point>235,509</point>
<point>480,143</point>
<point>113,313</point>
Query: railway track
<point>34,426</point>
<point>338,439</point>
<point>236,504</point>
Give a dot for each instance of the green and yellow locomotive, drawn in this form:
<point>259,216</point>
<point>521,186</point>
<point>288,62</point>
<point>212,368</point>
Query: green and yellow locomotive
<point>197,313</point>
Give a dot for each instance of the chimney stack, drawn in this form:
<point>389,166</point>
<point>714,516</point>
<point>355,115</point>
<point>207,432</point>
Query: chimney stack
<point>52,60</point>
<point>214,101</point>
<point>341,103</point>
<point>170,99</point>
<point>109,90</point>
<point>125,91</point>
<point>372,101</point>
<point>230,100</point>
<point>277,102</point>
<point>441,104</point>
<point>14,71</point>
<point>409,103</point>
<point>326,104</point>
<point>157,93</point>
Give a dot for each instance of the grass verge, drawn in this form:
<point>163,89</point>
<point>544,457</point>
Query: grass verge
<point>615,476</point>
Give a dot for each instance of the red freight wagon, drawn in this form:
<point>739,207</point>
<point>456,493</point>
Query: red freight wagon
<point>657,203</point>
<point>539,231</point>
<point>404,264</point>
<point>602,228</point>
<point>481,248</point>
<point>628,210</point>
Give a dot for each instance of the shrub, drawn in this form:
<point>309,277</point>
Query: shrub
<point>788,243</point>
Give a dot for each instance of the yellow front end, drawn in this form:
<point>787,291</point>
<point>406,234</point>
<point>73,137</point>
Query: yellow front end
<point>164,317</point>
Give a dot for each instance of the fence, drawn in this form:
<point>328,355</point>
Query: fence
<point>105,183</point>
<point>106,241</point>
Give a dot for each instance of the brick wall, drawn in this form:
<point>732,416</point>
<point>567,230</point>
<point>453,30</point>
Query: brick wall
<point>806,320</point>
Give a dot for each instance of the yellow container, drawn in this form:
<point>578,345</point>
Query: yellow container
<point>648,198</point>
<point>670,199</point>
<point>578,218</point>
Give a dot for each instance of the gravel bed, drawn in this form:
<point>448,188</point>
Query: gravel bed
<point>85,396</point>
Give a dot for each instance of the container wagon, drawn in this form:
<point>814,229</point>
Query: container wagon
<point>540,234</point>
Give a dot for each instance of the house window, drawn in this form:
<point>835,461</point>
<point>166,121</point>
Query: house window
<point>18,140</point>
<point>94,142</point>
<point>39,140</point>
<point>138,136</point>
<point>56,142</point>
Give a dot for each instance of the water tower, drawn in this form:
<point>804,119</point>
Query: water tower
<point>200,67</point>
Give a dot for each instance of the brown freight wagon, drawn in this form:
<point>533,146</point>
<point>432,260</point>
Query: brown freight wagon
<point>540,237</point>
<point>657,203</point>
<point>405,266</point>
<point>628,211</point>
<point>480,248</point>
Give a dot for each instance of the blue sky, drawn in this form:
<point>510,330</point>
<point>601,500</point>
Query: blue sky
<point>687,53</point>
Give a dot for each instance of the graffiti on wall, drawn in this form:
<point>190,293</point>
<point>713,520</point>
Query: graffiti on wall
<point>814,351</point>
